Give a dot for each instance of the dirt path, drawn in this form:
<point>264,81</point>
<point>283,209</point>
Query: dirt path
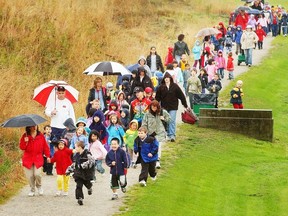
<point>99,203</point>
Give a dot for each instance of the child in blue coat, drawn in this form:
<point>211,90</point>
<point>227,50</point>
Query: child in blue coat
<point>117,160</point>
<point>147,149</point>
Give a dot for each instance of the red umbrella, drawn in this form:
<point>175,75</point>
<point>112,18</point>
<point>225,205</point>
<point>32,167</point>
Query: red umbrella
<point>46,93</point>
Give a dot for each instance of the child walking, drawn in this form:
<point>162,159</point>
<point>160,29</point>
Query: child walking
<point>62,158</point>
<point>117,160</point>
<point>97,150</point>
<point>236,95</point>
<point>147,149</point>
<point>83,168</point>
<point>115,129</point>
<point>80,135</point>
<point>48,167</point>
<point>230,66</point>
<point>129,138</point>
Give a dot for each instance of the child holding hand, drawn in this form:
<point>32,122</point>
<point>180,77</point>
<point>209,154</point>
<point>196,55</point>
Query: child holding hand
<point>62,158</point>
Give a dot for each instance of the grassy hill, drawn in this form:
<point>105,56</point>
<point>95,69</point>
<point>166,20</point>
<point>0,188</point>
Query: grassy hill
<point>44,40</point>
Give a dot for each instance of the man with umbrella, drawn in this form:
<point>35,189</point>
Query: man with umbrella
<point>59,112</point>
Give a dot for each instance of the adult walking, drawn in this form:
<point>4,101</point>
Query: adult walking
<point>248,40</point>
<point>154,61</point>
<point>155,121</point>
<point>100,93</point>
<point>59,112</point>
<point>142,80</point>
<point>33,144</point>
<point>180,47</point>
<point>168,94</point>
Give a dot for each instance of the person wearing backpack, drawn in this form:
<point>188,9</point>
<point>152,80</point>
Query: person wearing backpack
<point>155,120</point>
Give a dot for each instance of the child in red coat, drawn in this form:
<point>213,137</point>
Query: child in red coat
<point>230,66</point>
<point>62,157</point>
<point>261,34</point>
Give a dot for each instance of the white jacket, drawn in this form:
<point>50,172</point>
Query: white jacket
<point>248,39</point>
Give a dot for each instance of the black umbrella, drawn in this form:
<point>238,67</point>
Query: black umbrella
<point>24,121</point>
<point>254,11</point>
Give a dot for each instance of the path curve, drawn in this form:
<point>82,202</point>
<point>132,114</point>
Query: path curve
<point>99,203</point>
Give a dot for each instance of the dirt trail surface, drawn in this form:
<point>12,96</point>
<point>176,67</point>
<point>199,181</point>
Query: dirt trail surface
<point>99,203</point>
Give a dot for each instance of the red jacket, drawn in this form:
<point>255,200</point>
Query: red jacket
<point>260,33</point>
<point>230,65</point>
<point>62,159</point>
<point>242,20</point>
<point>34,150</point>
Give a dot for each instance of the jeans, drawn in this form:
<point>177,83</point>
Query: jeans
<point>274,30</point>
<point>231,75</point>
<point>284,30</point>
<point>57,132</point>
<point>248,56</point>
<point>98,166</point>
<point>191,99</point>
<point>177,58</point>
<point>221,73</point>
<point>172,124</point>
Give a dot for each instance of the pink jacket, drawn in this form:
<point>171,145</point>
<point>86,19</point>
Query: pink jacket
<point>211,71</point>
<point>97,150</point>
<point>221,62</point>
<point>34,150</point>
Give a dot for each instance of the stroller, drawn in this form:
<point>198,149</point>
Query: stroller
<point>241,58</point>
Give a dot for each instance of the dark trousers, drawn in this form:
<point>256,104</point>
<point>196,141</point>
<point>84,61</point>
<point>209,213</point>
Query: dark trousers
<point>57,132</point>
<point>147,168</point>
<point>79,187</point>
<point>47,167</point>
<point>260,44</point>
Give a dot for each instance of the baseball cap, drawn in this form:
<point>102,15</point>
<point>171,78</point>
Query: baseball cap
<point>138,89</point>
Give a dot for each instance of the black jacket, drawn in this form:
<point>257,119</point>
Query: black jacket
<point>169,97</point>
<point>84,166</point>
<point>146,82</point>
<point>158,62</point>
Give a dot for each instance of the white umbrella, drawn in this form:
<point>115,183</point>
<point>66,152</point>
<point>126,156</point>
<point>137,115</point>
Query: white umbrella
<point>106,68</point>
<point>207,31</point>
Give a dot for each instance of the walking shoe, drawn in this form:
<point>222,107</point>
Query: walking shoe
<point>31,194</point>
<point>172,140</point>
<point>142,183</point>
<point>90,191</point>
<point>58,193</point>
<point>249,65</point>
<point>40,191</point>
<point>114,196</point>
<point>154,178</point>
<point>158,166</point>
<point>80,201</point>
<point>123,190</point>
<point>65,193</point>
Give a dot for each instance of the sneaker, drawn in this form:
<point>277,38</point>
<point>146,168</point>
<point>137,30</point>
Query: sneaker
<point>114,196</point>
<point>158,166</point>
<point>90,191</point>
<point>93,181</point>
<point>40,191</point>
<point>65,193</point>
<point>249,65</point>
<point>31,194</point>
<point>154,178</point>
<point>142,183</point>
<point>123,190</point>
<point>80,201</point>
<point>172,140</point>
<point>58,193</point>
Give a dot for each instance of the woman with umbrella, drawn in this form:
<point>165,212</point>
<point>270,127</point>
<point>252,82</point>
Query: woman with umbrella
<point>242,19</point>
<point>33,144</point>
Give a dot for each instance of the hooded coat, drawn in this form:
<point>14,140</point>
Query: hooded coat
<point>62,159</point>
<point>145,82</point>
<point>99,126</point>
<point>197,50</point>
<point>146,67</point>
<point>130,135</point>
<point>70,132</point>
<point>168,97</point>
<point>146,146</point>
<point>248,40</point>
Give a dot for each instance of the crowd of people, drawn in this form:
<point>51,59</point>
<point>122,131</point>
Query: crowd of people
<point>127,125</point>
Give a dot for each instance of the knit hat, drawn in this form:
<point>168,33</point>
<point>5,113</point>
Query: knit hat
<point>81,120</point>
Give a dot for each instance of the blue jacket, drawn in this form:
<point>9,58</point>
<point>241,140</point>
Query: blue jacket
<point>146,146</point>
<point>76,138</point>
<point>238,35</point>
<point>120,157</point>
<point>115,131</point>
<point>99,126</point>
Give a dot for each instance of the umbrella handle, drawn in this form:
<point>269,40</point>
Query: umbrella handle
<point>55,97</point>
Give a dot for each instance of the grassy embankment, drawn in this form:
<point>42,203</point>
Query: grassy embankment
<point>45,40</point>
<point>209,172</point>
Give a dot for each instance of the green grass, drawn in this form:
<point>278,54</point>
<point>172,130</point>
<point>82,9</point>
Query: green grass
<point>210,172</point>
